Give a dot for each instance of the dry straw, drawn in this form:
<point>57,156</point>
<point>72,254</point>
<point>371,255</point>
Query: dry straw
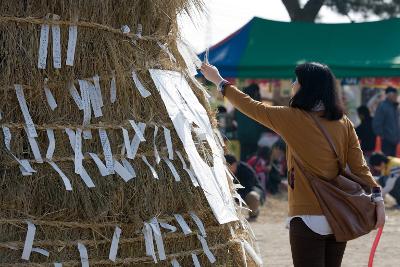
<point>89,215</point>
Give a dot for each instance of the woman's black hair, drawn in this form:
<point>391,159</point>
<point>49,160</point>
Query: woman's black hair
<point>317,86</point>
<point>364,112</point>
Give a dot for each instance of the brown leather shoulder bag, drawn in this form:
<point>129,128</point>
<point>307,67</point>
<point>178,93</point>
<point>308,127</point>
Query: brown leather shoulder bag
<point>344,200</point>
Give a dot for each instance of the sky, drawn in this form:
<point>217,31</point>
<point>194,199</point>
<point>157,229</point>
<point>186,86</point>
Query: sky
<point>224,17</point>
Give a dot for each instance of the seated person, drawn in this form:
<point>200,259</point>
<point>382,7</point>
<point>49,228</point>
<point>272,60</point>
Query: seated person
<point>260,163</point>
<point>252,193</point>
<point>278,167</point>
<point>388,172</point>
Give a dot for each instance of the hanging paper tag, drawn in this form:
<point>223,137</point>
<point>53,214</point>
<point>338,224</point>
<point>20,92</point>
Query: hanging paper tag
<point>166,50</point>
<point>78,151</point>
<point>139,31</point>
<point>158,237</point>
<point>7,137</point>
<point>87,111</point>
<point>137,130</point>
<point>56,33</point>
<point>65,179</point>
<point>96,80</point>
<point>156,155</point>
<point>244,254</point>
<point>49,96</point>
<point>172,168</point>
<point>34,147</point>
<point>114,244</point>
<point>56,264</point>
<point>25,165</point>
<point>252,253</point>
<point>125,29</point>
<point>52,144</point>
<point>182,223</point>
<point>43,43</point>
<point>129,167</point>
<point>25,111</point>
<point>129,153</point>
<point>175,263</point>
<point>142,90</point>
<point>30,236</point>
<point>113,88</point>
<point>84,255</point>
<point>41,251</point>
<point>168,140</point>
<point>206,249</point>
<point>102,168</point>
<point>75,95</point>
<point>199,223</point>
<point>195,260</point>
<point>153,171</point>
<point>95,100</point>
<point>105,143</point>
<point>136,140</point>
<point>148,238</point>
<point>87,134</point>
<point>86,178</point>
<point>124,173</point>
<point>189,59</point>
<point>72,37</point>
<point>189,172</point>
<point>72,137</point>
<point>169,227</point>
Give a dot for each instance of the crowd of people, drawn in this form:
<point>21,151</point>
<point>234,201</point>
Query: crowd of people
<point>262,171</point>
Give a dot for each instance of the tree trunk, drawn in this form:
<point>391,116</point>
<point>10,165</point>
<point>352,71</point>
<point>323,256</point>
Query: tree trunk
<point>308,13</point>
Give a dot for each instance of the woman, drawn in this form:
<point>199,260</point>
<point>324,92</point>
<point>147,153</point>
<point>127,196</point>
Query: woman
<point>314,91</point>
<point>365,132</point>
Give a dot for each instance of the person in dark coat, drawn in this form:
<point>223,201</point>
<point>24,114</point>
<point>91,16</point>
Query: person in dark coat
<point>365,132</point>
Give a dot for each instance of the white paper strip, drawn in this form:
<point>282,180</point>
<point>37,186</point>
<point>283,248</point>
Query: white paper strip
<point>52,144</point>
<point>129,153</point>
<point>49,97</point>
<point>206,249</point>
<point>169,227</point>
<point>153,171</point>
<point>86,178</point>
<point>175,263</point>
<point>148,238</point>
<point>121,171</point>
<point>186,54</point>
<point>72,37</point>
<point>168,140</point>
<point>75,95</point>
<point>41,251</point>
<point>182,223</point>
<point>24,163</point>
<point>7,137</point>
<point>71,136</point>
<point>252,253</point>
<point>172,168</point>
<point>96,80</point>
<point>84,255</point>
<point>95,100</point>
<point>189,172</point>
<point>102,168</point>
<point>129,167</point>
<point>65,179</point>
<point>30,236</point>
<point>56,34</point>
<point>142,90</point>
<point>87,134</point>
<point>105,143</point>
<point>56,264</point>
<point>34,147</point>
<point>139,31</point>
<point>125,29</point>
<point>156,155</point>
<point>87,111</point>
<point>43,43</point>
<point>25,111</point>
<point>199,223</point>
<point>136,140</point>
<point>166,50</point>
<point>158,237</point>
<point>137,130</point>
<point>195,260</point>
<point>114,244</point>
<point>78,151</point>
<point>244,254</point>
<point>113,88</point>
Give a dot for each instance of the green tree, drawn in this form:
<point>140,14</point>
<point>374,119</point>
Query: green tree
<point>309,12</point>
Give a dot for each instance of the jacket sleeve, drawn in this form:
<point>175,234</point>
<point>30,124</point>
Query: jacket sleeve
<point>377,122</point>
<point>355,158</point>
<point>273,117</point>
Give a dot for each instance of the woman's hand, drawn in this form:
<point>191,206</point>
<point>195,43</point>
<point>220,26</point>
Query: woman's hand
<point>380,214</point>
<point>211,73</point>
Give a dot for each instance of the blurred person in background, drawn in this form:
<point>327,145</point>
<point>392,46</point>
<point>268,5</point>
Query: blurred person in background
<point>278,167</point>
<point>386,122</point>
<point>387,170</point>
<point>252,193</point>
<point>365,132</point>
<point>261,164</point>
<point>226,122</point>
<point>248,130</point>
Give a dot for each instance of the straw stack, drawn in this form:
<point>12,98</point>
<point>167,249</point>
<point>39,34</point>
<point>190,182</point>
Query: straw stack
<point>114,37</point>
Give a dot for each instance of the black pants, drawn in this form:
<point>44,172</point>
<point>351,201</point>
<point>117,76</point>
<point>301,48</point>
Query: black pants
<point>310,249</point>
<point>388,148</point>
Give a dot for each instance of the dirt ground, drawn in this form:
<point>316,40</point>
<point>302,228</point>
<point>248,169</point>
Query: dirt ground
<point>273,238</point>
